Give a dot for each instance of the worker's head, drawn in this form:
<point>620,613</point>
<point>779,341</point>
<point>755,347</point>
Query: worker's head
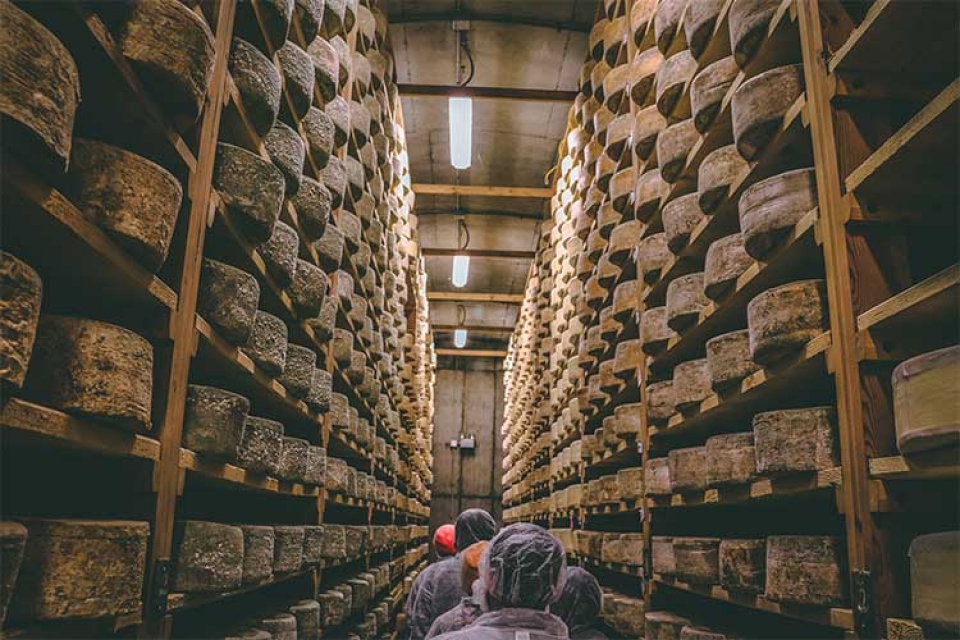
<point>523,567</point>
<point>581,600</point>
<point>474,525</point>
<point>443,541</point>
<point>470,564</point>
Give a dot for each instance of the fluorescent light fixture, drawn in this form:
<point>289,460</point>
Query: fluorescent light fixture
<point>461,132</point>
<point>461,269</point>
<point>460,338</point>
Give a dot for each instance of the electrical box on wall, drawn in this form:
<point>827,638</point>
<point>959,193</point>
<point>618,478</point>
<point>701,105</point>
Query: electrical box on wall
<point>468,443</point>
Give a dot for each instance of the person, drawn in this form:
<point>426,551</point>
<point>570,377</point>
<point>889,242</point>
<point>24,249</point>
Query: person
<point>443,541</point>
<point>522,573</point>
<point>580,604</point>
<point>468,610</point>
<point>437,589</point>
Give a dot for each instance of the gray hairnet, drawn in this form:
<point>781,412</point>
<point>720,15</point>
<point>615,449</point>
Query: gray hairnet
<point>473,525</point>
<point>581,600</point>
<point>524,566</point>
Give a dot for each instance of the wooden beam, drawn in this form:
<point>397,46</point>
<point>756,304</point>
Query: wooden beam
<point>482,190</point>
<point>472,353</point>
<point>490,93</point>
<point>478,253</point>
<point>502,18</point>
<point>470,327</point>
<point>465,296</point>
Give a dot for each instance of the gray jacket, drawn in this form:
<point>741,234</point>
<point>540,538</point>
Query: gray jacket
<point>512,624</point>
<point>436,590</point>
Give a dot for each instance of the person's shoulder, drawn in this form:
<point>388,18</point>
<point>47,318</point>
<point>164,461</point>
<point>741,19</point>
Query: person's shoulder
<point>588,634</point>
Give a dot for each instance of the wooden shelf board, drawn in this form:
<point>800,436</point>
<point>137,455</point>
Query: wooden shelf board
<point>617,567</point>
<point>935,297</point>
<point>181,601</point>
<point>761,489</point>
<point>766,388</point>
<point>841,618</point>
<point>920,156</point>
<point>55,427</point>
<point>943,464</point>
<point>226,472</point>
<point>614,508</point>
<point>72,628</point>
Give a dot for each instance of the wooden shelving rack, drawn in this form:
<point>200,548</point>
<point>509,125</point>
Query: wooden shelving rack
<point>149,476</point>
<point>878,120</point>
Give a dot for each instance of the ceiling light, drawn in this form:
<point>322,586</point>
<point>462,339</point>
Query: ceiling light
<point>461,269</point>
<point>461,132</point>
<point>460,338</point>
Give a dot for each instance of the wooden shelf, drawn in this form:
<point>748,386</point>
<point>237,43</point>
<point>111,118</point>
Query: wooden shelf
<point>761,489</point>
<point>229,473</point>
<point>935,297</point>
<point>617,567</point>
<point>620,507</point>
<point>625,454</point>
<point>943,464</point>
<point>44,425</point>
<point>841,618</point>
<point>98,627</point>
<point>181,601</point>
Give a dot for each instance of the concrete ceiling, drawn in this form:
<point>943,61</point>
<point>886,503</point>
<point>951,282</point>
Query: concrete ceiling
<point>525,44</point>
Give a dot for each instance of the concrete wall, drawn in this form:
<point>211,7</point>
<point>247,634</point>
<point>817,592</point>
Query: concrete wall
<point>469,400</point>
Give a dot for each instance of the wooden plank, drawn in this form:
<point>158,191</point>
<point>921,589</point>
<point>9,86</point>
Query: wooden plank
<point>467,296</point>
<point>48,424</point>
<point>481,190</point>
<point>940,292</point>
<point>943,464</point>
<point>181,601</point>
<point>477,253</point>
<point>762,489</point>
<point>230,473</point>
<point>472,353</point>
<point>438,328</point>
<point>486,93</point>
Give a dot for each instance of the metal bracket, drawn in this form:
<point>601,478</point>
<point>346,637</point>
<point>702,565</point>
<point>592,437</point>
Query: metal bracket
<point>863,603</point>
<point>160,588</point>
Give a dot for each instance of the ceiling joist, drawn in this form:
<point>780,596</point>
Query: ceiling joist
<point>478,253</point>
<point>446,328</point>
<point>489,93</point>
<point>485,212</point>
<point>472,353</point>
<point>481,190</point>
<point>466,296</point>
<point>450,16</point>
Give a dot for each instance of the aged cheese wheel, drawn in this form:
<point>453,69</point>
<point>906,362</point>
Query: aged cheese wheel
<point>626,300</point>
<point>708,89</point>
<point>660,401</point>
<point>725,261</point>
<point>698,560</point>
<point>718,171</point>
<point>656,477</point>
<point>307,613</point>
<point>279,253</point>
<point>316,466</point>
<point>309,15</point>
<point>331,607</point>
<point>621,189</point>
<point>345,56</point>
<point>934,586</point>
<point>287,548</point>
<point>926,416</point>
<point>672,77</point>
<point>297,375</point>
<point>92,368</point>
<point>749,20</point>
<point>251,187</point>
<point>680,218</point>
<point>685,301</point>
<point>172,50</point>
<point>267,343</point>
<point>298,76</point>
<point>13,541</point>
<point>664,559</point>
<point>342,347</point>
<point>652,255</point>
<point>699,21</point>
<point>308,289</point>
<point>333,14</point>
<point>257,553</point>
<point>651,189</point>
<point>731,459</point>
<point>728,359</point>
<point>286,150</point>
<point>261,446</point>
<point>614,86</point>
<point>334,176</point>
<point>80,569</point>
<point>41,86</point>
<point>743,564</point>
<point>643,74</point>
<point>133,200</point>
<point>630,483</point>
<point>770,208</point>
<point>312,204</point>
<point>326,64</point>
<point>796,440</point>
<point>280,626</point>
<point>21,293</point>
<point>691,384</point>
<point>312,544</point>
<point>655,334</point>
<point>330,248</point>
<point>628,359</point>
<point>624,614</point>
<point>359,122</point>
<point>805,570</point>
<point>646,128</point>
<point>228,299</point>
<point>209,557</point>
<point>690,632</point>
<point>688,469</point>
<point>667,21</point>
<point>339,111</point>
<point>663,625</point>
<point>783,319</point>
<point>673,147</point>
<point>642,14</point>
<point>336,478</point>
<point>258,81</point>
<point>293,459</point>
<point>213,421</point>
<point>759,105</point>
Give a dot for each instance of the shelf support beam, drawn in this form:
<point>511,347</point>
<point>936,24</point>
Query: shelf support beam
<point>481,190</point>
<point>486,93</point>
<point>465,296</point>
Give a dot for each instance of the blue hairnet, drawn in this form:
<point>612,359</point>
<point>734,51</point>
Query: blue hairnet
<point>524,566</point>
<point>473,525</point>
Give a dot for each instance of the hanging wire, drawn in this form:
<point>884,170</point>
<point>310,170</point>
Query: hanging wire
<point>461,315</point>
<point>463,234</point>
